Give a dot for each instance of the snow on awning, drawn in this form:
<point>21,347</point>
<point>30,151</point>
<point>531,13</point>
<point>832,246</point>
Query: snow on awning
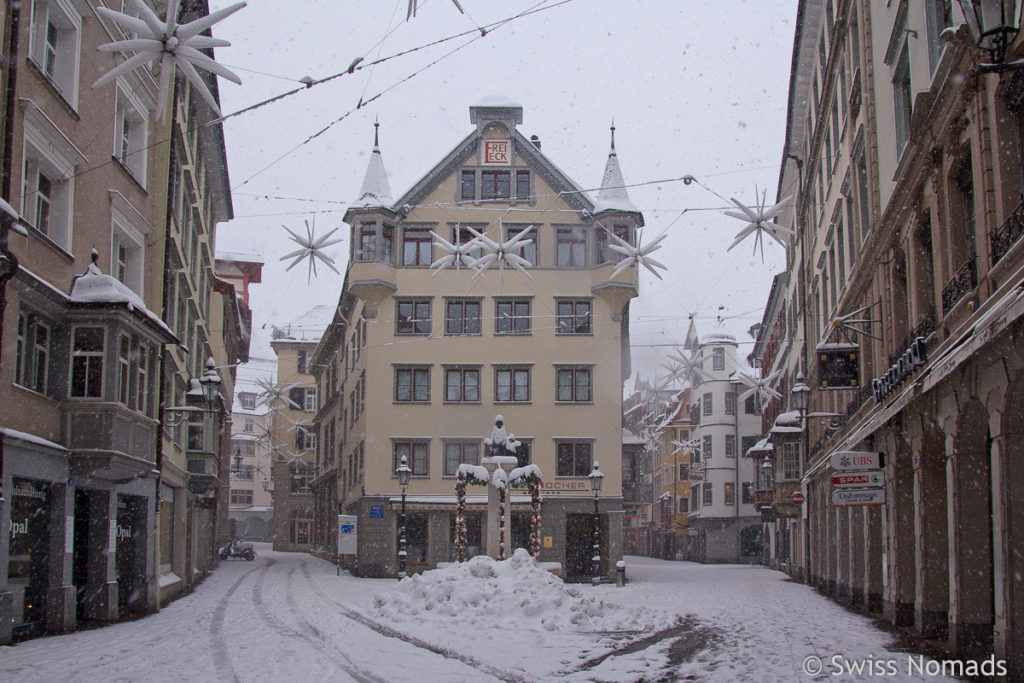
<point>786,424</point>
<point>762,446</point>
<point>94,286</point>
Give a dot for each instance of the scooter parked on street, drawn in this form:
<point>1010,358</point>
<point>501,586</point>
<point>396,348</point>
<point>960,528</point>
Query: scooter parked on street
<point>237,548</point>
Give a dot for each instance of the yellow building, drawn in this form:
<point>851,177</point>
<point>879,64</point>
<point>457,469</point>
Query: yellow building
<point>419,360</point>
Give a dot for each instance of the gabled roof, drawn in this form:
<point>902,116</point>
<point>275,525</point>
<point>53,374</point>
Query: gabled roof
<point>509,113</point>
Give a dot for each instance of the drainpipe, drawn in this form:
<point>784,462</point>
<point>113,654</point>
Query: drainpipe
<point>8,261</point>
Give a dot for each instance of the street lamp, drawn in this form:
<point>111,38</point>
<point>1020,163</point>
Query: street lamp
<point>801,393</point>
<point>596,477</point>
<point>403,480</point>
<point>993,25</point>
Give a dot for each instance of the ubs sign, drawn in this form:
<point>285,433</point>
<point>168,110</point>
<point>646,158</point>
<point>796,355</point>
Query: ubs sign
<point>913,358</point>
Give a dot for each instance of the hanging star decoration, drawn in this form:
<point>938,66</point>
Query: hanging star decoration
<point>312,249</point>
<point>762,386</point>
<point>504,254</point>
<point>850,323</point>
<point>637,255</point>
<point>174,44</point>
<point>454,254</point>
<point>760,222</point>
<point>274,396</point>
<point>683,366</point>
<point>411,10</point>
<point>692,446</point>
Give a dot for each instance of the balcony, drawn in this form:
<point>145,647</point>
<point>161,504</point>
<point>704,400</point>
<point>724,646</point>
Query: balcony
<point>109,441</point>
<point>203,470</point>
<point>1003,239</point>
<point>963,282</point>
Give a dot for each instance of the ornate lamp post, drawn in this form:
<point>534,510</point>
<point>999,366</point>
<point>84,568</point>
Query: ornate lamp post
<point>403,472</point>
<point>801,393</point>
<point>596,477</point>
<point>993,25</point>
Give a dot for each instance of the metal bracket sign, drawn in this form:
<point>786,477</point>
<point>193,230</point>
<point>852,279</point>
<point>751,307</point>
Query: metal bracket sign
<point>869,478</point>
<point>856,460</point>
<point>347,537</point>
<point>850,497</point>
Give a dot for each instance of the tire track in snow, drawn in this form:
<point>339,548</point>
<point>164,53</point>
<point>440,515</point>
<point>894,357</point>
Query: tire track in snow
<point>317,642</point>
<point>507,676</point>
<point>218,641</point>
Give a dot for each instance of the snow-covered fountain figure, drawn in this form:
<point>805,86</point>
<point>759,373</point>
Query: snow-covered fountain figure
<point>499,468</point>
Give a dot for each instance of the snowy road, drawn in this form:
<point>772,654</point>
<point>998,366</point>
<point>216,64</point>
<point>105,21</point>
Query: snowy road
<point>288,616</point>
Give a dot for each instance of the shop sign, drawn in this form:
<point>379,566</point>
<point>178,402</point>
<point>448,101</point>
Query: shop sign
<point>497,153</point>
<point>856,460</point>
<point>851,497</point>
<point>913,358</point>
<point>838,366</point>
<point>855,480</point>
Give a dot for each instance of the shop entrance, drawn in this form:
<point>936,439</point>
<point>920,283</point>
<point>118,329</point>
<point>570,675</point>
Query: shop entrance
<point>29,560</point>
<point>579,547</point>
<point>415,542</point>
<point>130,554</point>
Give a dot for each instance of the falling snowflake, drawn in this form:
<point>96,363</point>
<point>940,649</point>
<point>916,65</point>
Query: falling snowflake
<point>312,249</point>
<point>637,255</point>
<point>504,254</point>
<point>762,386</point>
<point>760,222</point>
<point>174,44</point>
<point>455,254</point>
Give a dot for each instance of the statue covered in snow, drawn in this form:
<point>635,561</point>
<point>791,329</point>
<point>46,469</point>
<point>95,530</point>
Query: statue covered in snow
<point>500,441</point>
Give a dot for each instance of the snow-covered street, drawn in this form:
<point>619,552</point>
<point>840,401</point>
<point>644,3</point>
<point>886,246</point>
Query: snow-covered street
<point>289,616</point>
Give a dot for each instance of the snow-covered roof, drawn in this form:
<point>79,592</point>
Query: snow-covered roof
<point>631,439</point>
<point>613,195</point>
<point>16,225</point>
<point>497,101</point>
<point>94,286</point>
<point>376,190</point>
<point>764,445</point>
<point>8,433</point>
<point>718,337</point>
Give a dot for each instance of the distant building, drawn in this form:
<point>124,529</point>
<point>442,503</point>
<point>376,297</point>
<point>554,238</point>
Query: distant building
<point>419,361</point>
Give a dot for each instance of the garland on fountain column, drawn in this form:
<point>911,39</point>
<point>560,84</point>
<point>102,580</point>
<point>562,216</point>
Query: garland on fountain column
<point>466,474</point>
<point>501,523</point>
<point>530,475</point>
<point>460,518</point>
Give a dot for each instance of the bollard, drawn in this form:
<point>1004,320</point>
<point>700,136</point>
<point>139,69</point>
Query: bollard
<point>620,573</point>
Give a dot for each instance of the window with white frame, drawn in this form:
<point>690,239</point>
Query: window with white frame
<point>87,362</point>
<point>247,399</point>
<point>142,379</point>
<point>718,358</point>
<point>790,461</point>
<point>55,44</point>
<point>730,445</point>
<point>901,98</point>
<point>124,369</point>
<point>32,352</point>
<point>126,253</point>
<point>309,400</point>
<point>706,448</point>
<point>130,127</point>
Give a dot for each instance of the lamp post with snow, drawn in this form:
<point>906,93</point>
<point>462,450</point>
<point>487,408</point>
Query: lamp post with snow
<point>596,477</point>
<point>403,472</point>
<point>801,395</point>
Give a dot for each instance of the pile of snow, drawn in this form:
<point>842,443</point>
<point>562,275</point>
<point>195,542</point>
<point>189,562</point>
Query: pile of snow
<point>516,593</point>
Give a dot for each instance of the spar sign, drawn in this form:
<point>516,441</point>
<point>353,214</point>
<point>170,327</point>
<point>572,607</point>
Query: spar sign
<point>846,481</point>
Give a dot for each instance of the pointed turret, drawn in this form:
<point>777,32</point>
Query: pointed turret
<point>376,191</point>
<point>613,195</point>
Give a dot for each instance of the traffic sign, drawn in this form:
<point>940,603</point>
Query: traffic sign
<point>849,497</point>
<point>856,460</point>
<point>798,498</point>
<point>842,481</point>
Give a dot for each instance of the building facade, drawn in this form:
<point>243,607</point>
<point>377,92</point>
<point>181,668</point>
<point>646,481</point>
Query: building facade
<point>724,525</point>
<point>419,360</point>
<point>85,333</point>
<point>904,154</point>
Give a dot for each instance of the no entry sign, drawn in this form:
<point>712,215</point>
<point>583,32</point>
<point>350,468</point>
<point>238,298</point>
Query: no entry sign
<point>798,498</point>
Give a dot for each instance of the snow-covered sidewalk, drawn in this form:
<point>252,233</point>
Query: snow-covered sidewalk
<point>289,616</point>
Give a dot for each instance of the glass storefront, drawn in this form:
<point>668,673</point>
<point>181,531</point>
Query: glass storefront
<point>29,559</point>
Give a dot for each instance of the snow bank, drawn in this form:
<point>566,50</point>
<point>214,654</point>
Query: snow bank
<point>515,594</point>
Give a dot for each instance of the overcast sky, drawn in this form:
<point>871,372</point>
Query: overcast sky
<point>694,88</point>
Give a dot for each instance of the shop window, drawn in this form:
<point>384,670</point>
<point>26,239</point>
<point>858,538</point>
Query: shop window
<point>300,526</point>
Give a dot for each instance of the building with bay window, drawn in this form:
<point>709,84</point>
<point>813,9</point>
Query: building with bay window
<point>422,354</point>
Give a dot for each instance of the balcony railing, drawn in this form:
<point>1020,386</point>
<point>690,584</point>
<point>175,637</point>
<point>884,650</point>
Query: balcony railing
<point>965,280</point>
<point>1003,239</point>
